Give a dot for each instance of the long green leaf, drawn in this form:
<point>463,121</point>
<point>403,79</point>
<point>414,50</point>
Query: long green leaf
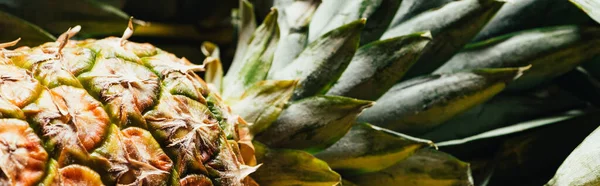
<point>12,28</point>
<point>551,52</point>
<point>262,103</point>
<point>410,8</point>
<point>367,148</point>
<point>591,7</point>
<point>504,110</point>
<point>416,106</point>
<point>376,67</point>
<point>294,17</point>
<point>425,167</point>
<point>292,168</point>
<point>323,61</point>
<point>314,123</point>
<point>452,26</point>
<point>257,59</point>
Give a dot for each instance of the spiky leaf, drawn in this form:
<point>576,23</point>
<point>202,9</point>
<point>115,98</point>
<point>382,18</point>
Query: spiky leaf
<point>551,52</point>
<point>214,68</point>
<point>452,26</point>
<point>257,59</point>
<point>367,148</point>
<point>418,105</point>
<point>323,61</point>
<point>591,7</point>
<point>314,123</point>
<point>376,67</point>
<point>246,27</point>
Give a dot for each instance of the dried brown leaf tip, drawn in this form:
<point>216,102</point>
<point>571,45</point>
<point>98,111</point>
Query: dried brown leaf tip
<point>63,39</point>
<point>9,44</point>
<point>128,32</point>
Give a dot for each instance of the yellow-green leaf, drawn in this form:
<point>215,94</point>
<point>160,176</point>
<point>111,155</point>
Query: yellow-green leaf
<point>214,68</point>
<point>367,148</point>
<point>282,167</point>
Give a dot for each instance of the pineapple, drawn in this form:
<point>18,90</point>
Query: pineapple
<point>321,93</point>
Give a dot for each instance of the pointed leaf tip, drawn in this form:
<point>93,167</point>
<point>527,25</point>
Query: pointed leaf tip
<point>9,44</point>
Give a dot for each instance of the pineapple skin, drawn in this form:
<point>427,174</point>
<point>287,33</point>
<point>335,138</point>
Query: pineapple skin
<point>107,112</point>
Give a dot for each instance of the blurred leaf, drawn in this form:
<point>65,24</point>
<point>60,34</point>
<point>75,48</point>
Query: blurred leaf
<point>262,103</point>
<point>528,14</point>
<point>367,148</point>
<point>292,168</point>
<point>416,106</point>
<point>318,70</point>
<point>532,157</point>
<point>581,166</point>
<point>504,110</point>
<point>376,67</point>
<point>591,7</point>
<point>551,52</point>
<point>12,28</point>
<point>295,15</point>
<point>247,25</point>
<point>314,123</point>
<point>214,68</point>
<point>452,26</point>
<point>257,59</point>
<point>425,167</point>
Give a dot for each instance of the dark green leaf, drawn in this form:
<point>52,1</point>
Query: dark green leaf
<point>504,110</point>
<point>12,28</point>
<point>581,84</point>
<point>410,8</point>
<point>323,61</point>
<point>376,67</point>
<point>452,26</point>
<point>314,123</point>
<point>551,52</point>
<point>416,106</point>
<point>257,59</point>
<point>425,167</point>
<point>367,148</point>
<point>292,168</point>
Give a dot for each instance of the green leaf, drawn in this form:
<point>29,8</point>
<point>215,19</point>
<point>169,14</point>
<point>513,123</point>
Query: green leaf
<point>581,166</point>
<point>410,8</point>
<point>247,25</point>
<point>376,67</point>
<point>214,68</point>
<point>12,28</point>
<point>528,14</point>
<point>452,26</point>
<point>314,123</point>
<point>257,60</point>
<point>323,61</point>
<point>282,167</point>
<point>591,7</point>
<point>416,106</point>
<point>551,52</point>
<point>504,110</point>
<point>367,148</point>
<point>587,87</point>
<point>294,17</point>
<point>425,167</point>
<point>532,157</point>
<point>334,13</point>
<point>262,103</point>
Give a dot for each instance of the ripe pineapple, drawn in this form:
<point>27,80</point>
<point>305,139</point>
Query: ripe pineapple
<point>321,93</point>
